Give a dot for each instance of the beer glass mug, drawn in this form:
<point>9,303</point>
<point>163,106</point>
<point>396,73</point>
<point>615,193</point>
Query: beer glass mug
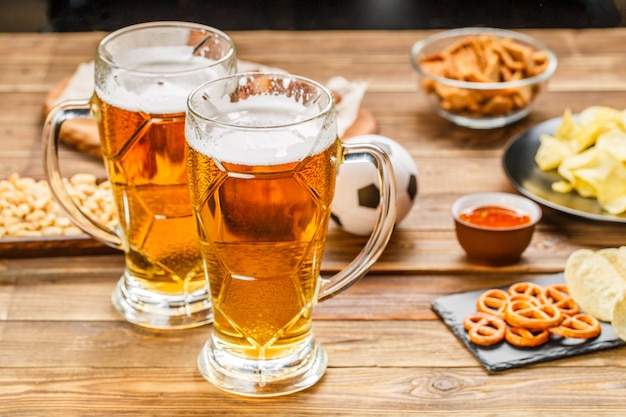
<point>143,75</point>
<point>263,154</point>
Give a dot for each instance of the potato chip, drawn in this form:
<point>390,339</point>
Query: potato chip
<point>586,136</point>
<point>552,151</point>
<point>600,114</point>
<point>589,170</point>
<point>562,187</point>
<point>612,192</point>
<point>594,283</point>
<point>590,154</point>
<point>618,319</point>
<point>617,258</point>
<point>614,141</point>
<point>568,127</point>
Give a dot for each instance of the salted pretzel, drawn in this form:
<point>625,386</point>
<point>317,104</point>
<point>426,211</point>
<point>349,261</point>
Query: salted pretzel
<point>484,329</point>
<point>521,337</point>
<point>581,326</point>
<point>528,288</point>
<point>532,316</point>
<point>492,301</point>
<point>558,294</point>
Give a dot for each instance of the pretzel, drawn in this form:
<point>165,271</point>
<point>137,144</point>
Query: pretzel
<point>528,288</point>
<point>532,316</point>
<point>581,326</point>
<point>527,314</point>
<point>518,336</point>
<point>484,329</point>
<point>492,301</point>
<point>524,297</point>
<point>558,294</point>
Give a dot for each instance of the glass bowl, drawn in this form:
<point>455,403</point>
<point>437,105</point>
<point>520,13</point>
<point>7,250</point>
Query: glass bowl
<point>484,100</point>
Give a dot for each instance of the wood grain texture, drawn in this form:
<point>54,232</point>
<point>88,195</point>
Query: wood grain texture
<point>64,351</point>
<point>342,391</point>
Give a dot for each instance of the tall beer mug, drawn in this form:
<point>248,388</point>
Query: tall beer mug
<point>263,154</point>
<point>143,76</point>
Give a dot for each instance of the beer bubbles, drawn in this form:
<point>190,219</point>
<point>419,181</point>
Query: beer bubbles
<point>355,206</point>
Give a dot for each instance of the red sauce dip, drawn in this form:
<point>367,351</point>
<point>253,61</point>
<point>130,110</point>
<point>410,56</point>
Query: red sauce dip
<point>494,216</point>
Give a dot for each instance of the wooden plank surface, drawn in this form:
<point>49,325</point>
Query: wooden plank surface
<point>64,351</point>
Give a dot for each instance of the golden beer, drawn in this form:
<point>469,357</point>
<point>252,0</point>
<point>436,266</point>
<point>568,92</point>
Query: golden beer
<point>263,154</point>
<point>145,159</point>
<point>263,231</point>
<point>143,75</point>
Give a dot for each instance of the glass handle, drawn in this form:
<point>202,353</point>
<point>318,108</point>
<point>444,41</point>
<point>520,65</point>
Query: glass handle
<point>382,230</point>
<point>52,127</point>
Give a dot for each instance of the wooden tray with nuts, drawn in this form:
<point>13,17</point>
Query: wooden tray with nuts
<point>33,225</point>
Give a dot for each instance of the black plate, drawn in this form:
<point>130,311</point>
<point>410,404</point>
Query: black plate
<point>454,308</point>
<point>521,169</point>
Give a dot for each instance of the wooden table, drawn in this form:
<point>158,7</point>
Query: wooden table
<point>64,351</point>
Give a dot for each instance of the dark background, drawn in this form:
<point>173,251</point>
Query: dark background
<point>107,15</point>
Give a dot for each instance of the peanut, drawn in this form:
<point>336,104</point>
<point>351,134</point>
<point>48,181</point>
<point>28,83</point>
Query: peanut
<point>28,209</point>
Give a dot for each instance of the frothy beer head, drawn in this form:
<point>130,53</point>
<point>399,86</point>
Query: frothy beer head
<point>260,119</point>
<point>156,80</point>
<point>154,70</point>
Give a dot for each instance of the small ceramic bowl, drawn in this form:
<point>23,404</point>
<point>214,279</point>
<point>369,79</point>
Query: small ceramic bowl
<point>482,103</point>
<point>496,238</point>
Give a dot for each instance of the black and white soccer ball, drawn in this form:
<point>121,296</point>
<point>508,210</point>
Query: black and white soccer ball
<point>357,196</point>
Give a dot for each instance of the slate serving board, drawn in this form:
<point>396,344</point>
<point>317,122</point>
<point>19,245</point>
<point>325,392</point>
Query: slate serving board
<point>454,308</point>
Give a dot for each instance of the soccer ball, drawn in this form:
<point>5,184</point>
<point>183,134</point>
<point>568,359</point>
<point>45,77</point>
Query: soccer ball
<point>355,206</point>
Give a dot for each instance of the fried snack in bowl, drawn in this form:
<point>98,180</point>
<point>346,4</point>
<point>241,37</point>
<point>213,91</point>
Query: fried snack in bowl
<point>482,78</point>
